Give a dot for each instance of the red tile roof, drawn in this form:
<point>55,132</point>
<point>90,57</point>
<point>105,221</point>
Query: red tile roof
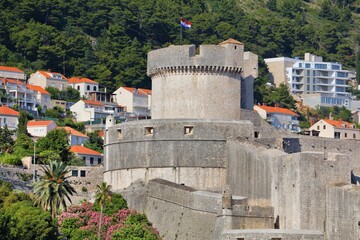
<point>339,124</point>
<point>73,132</point>
<point>90,102</point>
<point>277,110</point>
<point>146,91</point>
<point>10,69</point>
<point>102,133</point>
<point>84,150</point>
<point>37,88</point>
<point>39,123</point>
<point>49,74</point>
<point>9,80</point>
<point>231,41</point>
<point>74,80</point>
<point>8,111</point>
<point>140,91</point>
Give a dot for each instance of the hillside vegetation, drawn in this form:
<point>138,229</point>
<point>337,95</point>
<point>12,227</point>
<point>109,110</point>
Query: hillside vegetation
<point>108,40</point>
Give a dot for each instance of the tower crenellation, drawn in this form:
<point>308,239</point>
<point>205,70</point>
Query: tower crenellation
<point>203,85</point>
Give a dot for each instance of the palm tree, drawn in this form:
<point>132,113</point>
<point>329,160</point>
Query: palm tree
<point>103,194</point>
<point>53,189</point>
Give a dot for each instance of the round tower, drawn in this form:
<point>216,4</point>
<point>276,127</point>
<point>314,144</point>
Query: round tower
<point>197,86</point>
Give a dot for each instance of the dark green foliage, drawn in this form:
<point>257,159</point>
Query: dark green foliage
<point>108,40</point>
<point>280,96</point>
<point>55,142</point>
<point>6,139</point>
<point>95,142</point>
<point>69,94</point>
<point>19,219</point>
<point>116,203</point>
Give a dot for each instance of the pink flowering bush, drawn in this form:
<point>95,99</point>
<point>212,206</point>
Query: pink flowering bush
<point>81,222</point>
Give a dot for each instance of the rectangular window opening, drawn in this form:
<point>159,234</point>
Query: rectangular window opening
<point>74,173</point>
<point>82,173</point>
<point>188,130</point>
<point>256,134</point>
<point>119,134</point>
<point>149,130</point>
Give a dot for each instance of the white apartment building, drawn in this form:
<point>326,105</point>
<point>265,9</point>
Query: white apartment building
<point>312,75</point>
<point>88,110</point>
<point>335,129</point>
<point>84,85</point>
<point>18,93</point>
<point>12,72</point>
<point>42,97</point>
<point>8,117</point>
<point>40,128</point>
<point>135,101</point>
<point>49,79</point>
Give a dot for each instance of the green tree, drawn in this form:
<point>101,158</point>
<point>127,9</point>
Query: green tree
<point>117,203</point>
<point>53,189</point>
<point>56,141</point>
<point>6,139</point>
<point>95,142</point>
<point>54,92</point>
<point>103,195</point>
<point>281,96</point>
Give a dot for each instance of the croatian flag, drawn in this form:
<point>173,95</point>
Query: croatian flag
<point>184,23</point>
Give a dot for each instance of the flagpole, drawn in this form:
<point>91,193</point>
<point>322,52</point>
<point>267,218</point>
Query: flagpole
<point>180,33</point>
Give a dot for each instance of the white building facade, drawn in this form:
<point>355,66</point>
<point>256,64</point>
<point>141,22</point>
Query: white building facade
<point>311,75</point>
<point>9,117</point>
<point>49,79</point>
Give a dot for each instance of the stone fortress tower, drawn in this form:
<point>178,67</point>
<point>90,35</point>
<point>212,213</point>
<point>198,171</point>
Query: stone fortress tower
<point>205,168</point>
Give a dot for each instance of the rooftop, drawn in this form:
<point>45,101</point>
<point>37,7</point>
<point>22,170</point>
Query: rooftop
<point>8,111</point>
<point>231,41</point>
<point>39,123</point>
<point>37,88</point>
<point>10,69</point>
<point>52,74</point>
<point>75,80</point>
<point>277,110</point>
<point>73,132</point>
<point>90,102</point>
<point>339,124</point>
<point>84,150</point>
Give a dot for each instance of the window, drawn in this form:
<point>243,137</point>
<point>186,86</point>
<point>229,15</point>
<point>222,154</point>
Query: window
<point>74,173</point>
<point>149,131</point>
<point>91,161</point>
<point>88,87</point>
<point>300,65</point>
<point>94,88</point>
<point>324,127</point>
<point>335,67</point>
<point>308,79</point>
<point>82,173</point>
<point>314,88</point>
<point>337,135</point>
<point>320,66</point>
<point>354,135</point>
<point>307,65</point>
<point>188,130</point>
<point>341,74</point>
<point>308,72</point>
<point>318,127</point>
<point>5,120</point>
<point>78,88</point>
<point>314,73</point>
<point>314,80</point>
<point>346,135</point>
<point>256,134</point>
<point>99,160</point>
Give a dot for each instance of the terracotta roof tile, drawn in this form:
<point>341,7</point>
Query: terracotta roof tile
<point>10,69</point>
<point>37,88</point>
<point>49,74</point>
<point>277,110</point>
<point>130,89</point>
<point>231,41</point>
<point>39,123</point>
<point>90,102</point>
<point>8,111</point>
<point>74,80</point>
<point>9,80</point>
<point>84,150</point>
<point>339,124</point>
<point>146,91</point>
<point>73,132</point>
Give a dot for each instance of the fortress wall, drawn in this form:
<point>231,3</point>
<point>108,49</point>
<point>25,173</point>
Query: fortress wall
<point>271,234</point>
<point>316,174</point>
<point>181,212</point>
<point>328,145</point>
<point>343,211</point>
<point>195,159</point>
<point>177,96</point>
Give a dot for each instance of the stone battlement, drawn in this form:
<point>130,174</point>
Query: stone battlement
<point>213,59</point>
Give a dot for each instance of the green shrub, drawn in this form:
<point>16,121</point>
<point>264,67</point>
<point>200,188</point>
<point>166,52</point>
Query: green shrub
<point>11,159</point>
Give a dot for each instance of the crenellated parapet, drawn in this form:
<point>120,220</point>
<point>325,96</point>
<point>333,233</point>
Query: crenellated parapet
<point>212,59</point>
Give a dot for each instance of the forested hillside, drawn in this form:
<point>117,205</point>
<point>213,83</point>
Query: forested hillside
<point>107,40</point>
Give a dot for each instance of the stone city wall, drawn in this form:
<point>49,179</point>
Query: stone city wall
<point>271,234</point>
<point>191,152</point>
